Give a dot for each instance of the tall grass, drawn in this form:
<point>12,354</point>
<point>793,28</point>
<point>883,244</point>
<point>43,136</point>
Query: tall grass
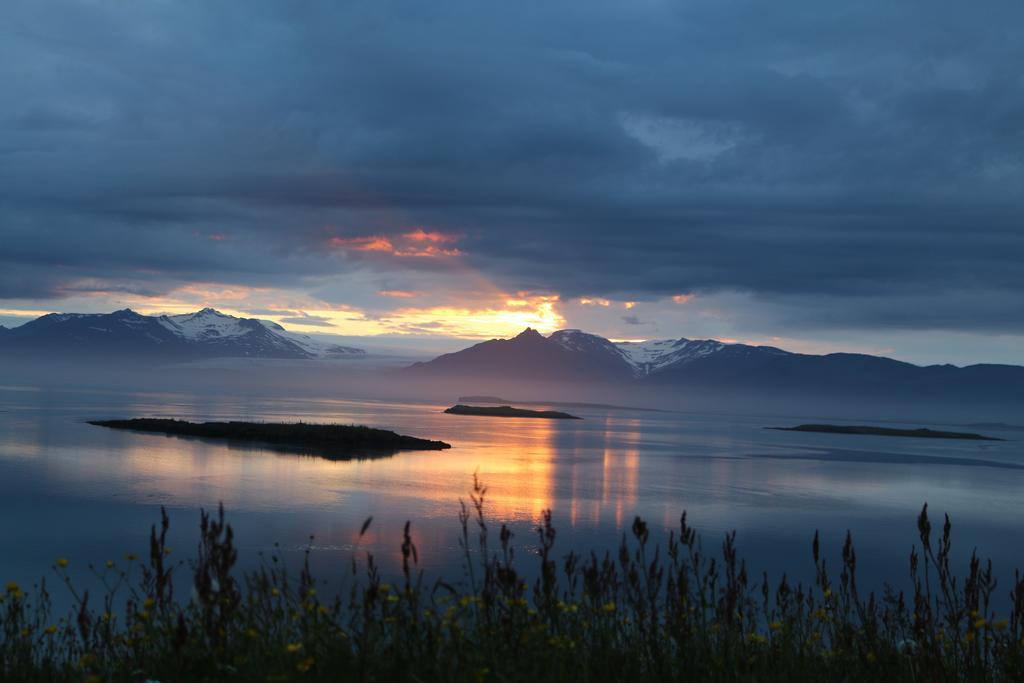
<point>671,611</point>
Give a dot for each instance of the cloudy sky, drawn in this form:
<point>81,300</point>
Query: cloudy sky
<point>820,177</point>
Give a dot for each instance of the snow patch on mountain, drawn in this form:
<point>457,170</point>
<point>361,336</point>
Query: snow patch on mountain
<point>654,355</point>
<point>205,325</point>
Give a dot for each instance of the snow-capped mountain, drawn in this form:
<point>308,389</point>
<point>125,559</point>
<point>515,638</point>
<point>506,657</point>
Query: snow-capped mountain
<point>574,355</point>
<point>126,334</point>
<point>653,356</point>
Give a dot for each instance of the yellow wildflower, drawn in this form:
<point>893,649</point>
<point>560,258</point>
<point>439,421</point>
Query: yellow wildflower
<point>609,607</point>
<point>305,665</point>
<point>12,587</point>
<point>50,630</point>
<point>110,564</point>
<point>131,557</point>
<point>1001,624</point>
<point>252,634</point>
<point>293,647</point>
<point>980,623</point>
<point>775,625</point>
<point>62,562</point>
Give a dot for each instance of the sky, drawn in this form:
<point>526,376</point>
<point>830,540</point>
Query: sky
<point>817,177</point>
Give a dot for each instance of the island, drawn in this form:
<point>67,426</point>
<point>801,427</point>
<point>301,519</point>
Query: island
<point>509,411</point>
<point>600,406</point>
<point>325,440</point>
<point>922,433</point>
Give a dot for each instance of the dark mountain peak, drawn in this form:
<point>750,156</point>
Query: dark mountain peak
<point>528,334</point>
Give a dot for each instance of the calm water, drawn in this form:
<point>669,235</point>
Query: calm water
<point>88,493</point>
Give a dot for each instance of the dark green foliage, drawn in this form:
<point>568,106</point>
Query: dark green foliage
<point>646,613</point>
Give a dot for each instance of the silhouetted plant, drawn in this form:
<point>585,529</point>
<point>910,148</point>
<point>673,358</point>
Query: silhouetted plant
<point>636,614</point>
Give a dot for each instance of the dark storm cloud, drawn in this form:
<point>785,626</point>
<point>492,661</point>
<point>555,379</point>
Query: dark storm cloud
<point>857,166</point>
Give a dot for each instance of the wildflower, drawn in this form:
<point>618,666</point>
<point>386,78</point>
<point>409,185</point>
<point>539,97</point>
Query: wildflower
<point>62,562</point>
<point>906,646</point>
<point>980,623</point>
<point>86,660</point>
<point>167,551</point>
<point>311,592</point>
<point>872,658</point>
<point>828,593</point>
<point>12,587</point>
<point>148,604</point>
<point>131,557</point>
<point>969,637</point>
<point>392,598</point>
<point>50,630</point>
<point>305,665</point>
<point>293,647</point>
<point>110,564</point>
<point>775,625</point>
<point>252,634</point>
<point>757,638</point>
<point>322,610</point>
<point>481,673</point>
<point>609,607</point>
<point>275,592</point>
<point>821,614</point>
<point>1001,624</point>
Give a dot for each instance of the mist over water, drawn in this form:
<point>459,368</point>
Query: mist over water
<point>71,489</point>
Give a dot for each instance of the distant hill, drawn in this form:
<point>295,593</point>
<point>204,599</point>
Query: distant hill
<point>709,364</point>
<point>128,335</point>
<point>531,356</point>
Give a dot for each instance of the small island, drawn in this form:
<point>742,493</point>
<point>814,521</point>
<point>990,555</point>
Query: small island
<point>509,411</point>
<point>331,441</point>
<point>922,433</point>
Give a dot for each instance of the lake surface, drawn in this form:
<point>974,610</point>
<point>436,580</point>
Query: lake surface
<point>69,489</point>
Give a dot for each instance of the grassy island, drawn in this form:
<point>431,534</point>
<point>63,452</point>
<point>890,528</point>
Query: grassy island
<point>324,439</point>
<point>922,433</point>
<point>509,411</point>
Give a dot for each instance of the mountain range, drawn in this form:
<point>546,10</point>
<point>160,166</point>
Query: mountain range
<point>565,356</point>
<point>574,355</point>
<point>128,335</point>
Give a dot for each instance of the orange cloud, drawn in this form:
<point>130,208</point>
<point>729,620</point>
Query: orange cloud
<point>417,244</point>
<point>586,301</point>
<point>629,304</point>
<point>421,235</point>
<point>398,293</point>
<point>370,243</point>
<point>682,298</point>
